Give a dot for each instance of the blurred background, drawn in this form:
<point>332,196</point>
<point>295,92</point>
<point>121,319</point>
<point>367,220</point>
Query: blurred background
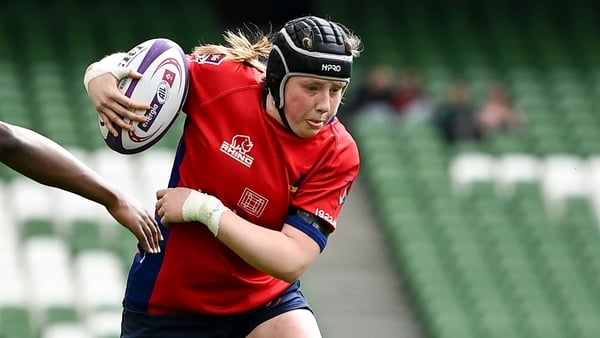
<point>476,213</point>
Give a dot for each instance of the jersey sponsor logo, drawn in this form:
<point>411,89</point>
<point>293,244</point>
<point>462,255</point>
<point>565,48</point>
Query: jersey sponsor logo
<point>253,202</point>
<point>238,149</point>
<point>213,59</point>
<point>325,215</point>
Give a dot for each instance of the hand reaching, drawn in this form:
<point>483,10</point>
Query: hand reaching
<point>139,221</point>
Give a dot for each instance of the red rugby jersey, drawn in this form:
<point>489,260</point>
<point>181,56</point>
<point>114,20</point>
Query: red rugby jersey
<point>233,149</point>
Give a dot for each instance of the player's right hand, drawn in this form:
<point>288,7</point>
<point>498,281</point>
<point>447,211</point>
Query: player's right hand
<point>113,107</point>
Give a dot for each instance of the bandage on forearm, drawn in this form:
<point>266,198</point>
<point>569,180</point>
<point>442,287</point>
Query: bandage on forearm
<point>203,208</point>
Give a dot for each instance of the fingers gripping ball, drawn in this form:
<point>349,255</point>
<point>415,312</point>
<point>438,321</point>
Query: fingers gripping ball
<point>164,85</point>
<point>203,208</point>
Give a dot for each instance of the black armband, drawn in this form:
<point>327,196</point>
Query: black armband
<point>312,225</point>
<point>314,220</point>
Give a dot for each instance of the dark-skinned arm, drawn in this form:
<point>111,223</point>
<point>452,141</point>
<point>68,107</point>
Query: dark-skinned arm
<point>45,161</point>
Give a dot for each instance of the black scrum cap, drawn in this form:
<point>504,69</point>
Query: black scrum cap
<point>308,46</point>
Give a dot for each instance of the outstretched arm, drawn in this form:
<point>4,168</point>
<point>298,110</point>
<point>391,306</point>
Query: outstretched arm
<point>48,163</point>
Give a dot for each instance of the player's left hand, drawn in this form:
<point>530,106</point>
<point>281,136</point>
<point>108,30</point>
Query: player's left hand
<point>169,203</point>
<point>186,205</point>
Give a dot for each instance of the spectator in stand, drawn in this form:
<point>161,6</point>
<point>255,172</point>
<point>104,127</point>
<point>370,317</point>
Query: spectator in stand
<point>375,93</point>
<point>410,99</point>
<point>498,114</point>
<point>456,116</point>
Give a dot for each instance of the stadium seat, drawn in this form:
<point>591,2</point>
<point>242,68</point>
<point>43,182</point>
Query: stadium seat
<point>104,324</point>
<point>153,172</point>
<point>586,323</point>
<point>123,244</point>
<point>13,291</point>
<point>447,315</point>
<point>121,171</point>
<point>593,163</point>
<point>117,168</point>
<point>99,281</point>
<point>87,234</point>
<point>59,313</point>
<point>48,271</point>
<point>75,209</point>
<point>563,177</point>
<point>542,320</point>
<point>32,227</point>
<point>515,168</point>
<point>515,267</point>
<point>27,193</point>
<point>11,232</point>
<point>510,142</point>
<point>12,98</point>
<point>549,139</point>
<point>15,322</point>
<point>78,41</point>
<point>468,168</point>
<point>586,137</point>
<point>66,330</point>
<point>494,314</point>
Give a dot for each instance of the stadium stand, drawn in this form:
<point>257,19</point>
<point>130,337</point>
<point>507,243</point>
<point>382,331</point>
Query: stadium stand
<point>495,238</point>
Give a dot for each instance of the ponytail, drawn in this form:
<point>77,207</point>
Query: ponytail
<point>240,48</point>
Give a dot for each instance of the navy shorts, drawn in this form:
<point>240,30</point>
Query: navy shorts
<point>143,325</point>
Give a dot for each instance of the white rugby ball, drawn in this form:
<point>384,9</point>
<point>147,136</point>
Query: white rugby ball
<point>163,86</point>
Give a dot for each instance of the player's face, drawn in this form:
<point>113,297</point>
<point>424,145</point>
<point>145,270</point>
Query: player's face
<point>310,103</point>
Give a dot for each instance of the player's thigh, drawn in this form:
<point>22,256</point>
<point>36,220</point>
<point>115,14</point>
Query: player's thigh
<point>300,323</point>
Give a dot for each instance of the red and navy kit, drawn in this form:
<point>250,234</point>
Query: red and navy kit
<point>231,148</point>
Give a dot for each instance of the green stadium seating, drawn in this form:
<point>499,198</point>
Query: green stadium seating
<point>59,314</point>
<point>15,323</point>
<point>85,234</point>
<point>37,227</point>
<point>124,245</point>
<point>502,255</point>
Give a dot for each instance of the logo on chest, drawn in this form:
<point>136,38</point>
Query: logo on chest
<point>238,149</point>
<point>252,202</point>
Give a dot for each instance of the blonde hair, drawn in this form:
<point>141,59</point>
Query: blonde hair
<point>241,48</point>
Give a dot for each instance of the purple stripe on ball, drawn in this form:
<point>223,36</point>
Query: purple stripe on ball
<point>157,48</point>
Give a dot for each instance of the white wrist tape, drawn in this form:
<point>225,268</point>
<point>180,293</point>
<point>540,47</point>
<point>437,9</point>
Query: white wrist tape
<point>203,208</point>
<point>108,64</point>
